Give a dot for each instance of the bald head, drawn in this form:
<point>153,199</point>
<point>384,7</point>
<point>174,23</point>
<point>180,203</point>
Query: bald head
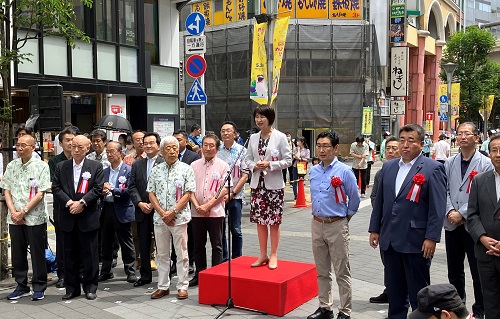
<point>25,146</point>
<point>79,148</point>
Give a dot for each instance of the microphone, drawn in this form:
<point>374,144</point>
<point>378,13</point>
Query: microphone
<point>253,130</point>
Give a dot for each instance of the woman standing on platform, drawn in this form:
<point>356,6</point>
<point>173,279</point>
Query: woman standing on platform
<point>268,153</point>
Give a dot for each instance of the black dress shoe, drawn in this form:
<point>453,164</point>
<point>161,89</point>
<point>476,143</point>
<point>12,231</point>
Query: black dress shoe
<point>342,315</point>
<point>131,278</point>
<point>104,277</point>
<point>191,269</point>
<point>193,282</point>
<point>382,298</point>
<point>69,296</point>
<point>114,263</point>
<point>141,282</point>
<point>90,296</point>
<point>321,313</point>
<point>60,283</point>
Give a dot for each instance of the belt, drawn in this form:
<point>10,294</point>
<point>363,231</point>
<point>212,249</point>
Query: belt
<point>328,220</point>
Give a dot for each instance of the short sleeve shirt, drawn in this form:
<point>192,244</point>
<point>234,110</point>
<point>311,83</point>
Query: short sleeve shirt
<point>19,178</point>
<point>230,156</point>
<point>103,159</point>
<point>164,181</point>
<point>359,150</point>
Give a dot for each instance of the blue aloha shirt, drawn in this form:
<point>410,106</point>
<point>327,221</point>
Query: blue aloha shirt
<point>17,179</point>
<point>163,181</point>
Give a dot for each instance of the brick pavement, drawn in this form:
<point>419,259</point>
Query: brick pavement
<point>119,299</point>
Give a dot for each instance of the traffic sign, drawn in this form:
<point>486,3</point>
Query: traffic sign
<point>443,117</point>
<point>195,44</point>
<point>195,23</point>
<point>196,95</point>
<point>429,116</point>
<point>443,98</point>
<point>443,107</point>
<point>398,107</point>
<point>196,66</point>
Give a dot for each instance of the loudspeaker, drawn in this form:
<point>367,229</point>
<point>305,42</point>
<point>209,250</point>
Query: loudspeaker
<point>46,100</point>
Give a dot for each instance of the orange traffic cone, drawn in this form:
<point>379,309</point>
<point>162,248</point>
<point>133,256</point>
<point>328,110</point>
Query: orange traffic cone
<point>301,195</point>
<point>359,179</point>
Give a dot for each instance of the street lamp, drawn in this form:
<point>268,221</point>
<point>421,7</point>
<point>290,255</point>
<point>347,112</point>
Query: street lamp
<point>449,68</point>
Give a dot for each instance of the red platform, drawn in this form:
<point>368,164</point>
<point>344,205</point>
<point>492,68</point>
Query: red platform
<point>276,292</point>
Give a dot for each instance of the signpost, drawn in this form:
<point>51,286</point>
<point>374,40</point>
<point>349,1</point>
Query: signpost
<point>195,44</point>
<point>195,23</point>
<point>196,66</point>
<point>196,94</point>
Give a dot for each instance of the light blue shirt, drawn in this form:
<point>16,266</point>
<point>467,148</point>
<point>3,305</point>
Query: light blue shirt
<point>113,176</point>
<point>324,204</point>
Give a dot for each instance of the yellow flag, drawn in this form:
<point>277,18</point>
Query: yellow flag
<point>366,127</point>
<point>489,106</point>
<point>455,101</point>
<point>258,76</point>
<point>279,39</point>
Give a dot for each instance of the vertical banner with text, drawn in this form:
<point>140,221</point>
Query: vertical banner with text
<point>367,125</point>
<point>399,71</point>
<point>241,10</point>
<point>455,101</point>
<point>279,40</point>
<point>205,8</point>
<point>258,76</point>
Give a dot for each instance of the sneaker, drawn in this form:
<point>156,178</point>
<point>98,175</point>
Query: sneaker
<point>363,196</point>
<point>16,294</point>
<point>37,295</point>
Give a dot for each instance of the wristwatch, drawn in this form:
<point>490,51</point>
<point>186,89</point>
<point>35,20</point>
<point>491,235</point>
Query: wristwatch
<point>233,193</point>
<point>25,210</point>
<point>82,202</point>
<point>175,210</point>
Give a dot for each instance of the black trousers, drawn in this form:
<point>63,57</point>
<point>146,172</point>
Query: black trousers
<point>202,226</point>
<point>59,245</point>
<point>36,237</point>
<point>81,248</point>
<point>144,229</point>
<point>361,174</point>
<point>111,228</point>
<point>489,271</point>
<point>406,274</point>
<point>368,172</point>
<point>459,243</point>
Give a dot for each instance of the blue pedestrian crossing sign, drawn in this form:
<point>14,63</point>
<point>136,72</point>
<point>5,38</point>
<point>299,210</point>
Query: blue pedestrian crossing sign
<point>196,95</point>
<point>443,117</point>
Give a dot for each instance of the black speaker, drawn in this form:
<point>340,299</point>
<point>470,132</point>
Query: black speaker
<point>46,100</point>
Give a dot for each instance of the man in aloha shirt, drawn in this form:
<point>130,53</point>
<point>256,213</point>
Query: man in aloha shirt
<point>170,185</point>
<point>25,182</point>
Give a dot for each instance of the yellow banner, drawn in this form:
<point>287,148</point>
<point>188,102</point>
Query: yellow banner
<point>429,126</point>
<point>455,101</point>
<point>489,106</point>
<point>279,40</point>
<point>366,127</point>
<point>229,11</point>
<point>258,76</point>
<point>341,9</point>
<point>241,10</point>
<point>312,9</point>
<point>204,8</point>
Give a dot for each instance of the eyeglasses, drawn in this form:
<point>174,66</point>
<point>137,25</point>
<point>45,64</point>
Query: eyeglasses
<point>466,134</point>
<point>170,148</point>
<point>325,147</point>
<point>23,145</point>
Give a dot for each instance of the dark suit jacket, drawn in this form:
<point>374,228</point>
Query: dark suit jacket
<point>139,183</point>
<point>124,208</point>
<point>405,224</point>
<point>483,212</point>
<point>64,190</point>
<point>189,157</point>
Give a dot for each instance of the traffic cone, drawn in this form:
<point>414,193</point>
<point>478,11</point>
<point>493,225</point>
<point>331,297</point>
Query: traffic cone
<point>359,179</point>
<point>301,195</point>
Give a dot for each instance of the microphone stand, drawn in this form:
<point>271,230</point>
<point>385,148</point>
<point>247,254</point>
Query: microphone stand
<point>230,303</point>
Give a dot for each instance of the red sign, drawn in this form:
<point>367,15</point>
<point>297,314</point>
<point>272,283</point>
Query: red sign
<point>115,109</point>
<point>429,116</point>
<point>196,66</point>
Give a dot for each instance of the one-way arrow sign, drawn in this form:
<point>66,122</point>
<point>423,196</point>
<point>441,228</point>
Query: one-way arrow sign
<point>195,44</point>
<point>195,23</point>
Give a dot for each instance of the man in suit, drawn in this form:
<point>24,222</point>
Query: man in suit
<point>143,208</point>
<point>185,156</point>
<point>407,219</point>
<point>483,224</point>
<point>118,213</point>
<point>460,171</point>
<point>77,186</point>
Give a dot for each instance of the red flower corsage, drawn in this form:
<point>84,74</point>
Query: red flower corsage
<point>414,194</point>
<point>471,177</point>
<point>336,182</point>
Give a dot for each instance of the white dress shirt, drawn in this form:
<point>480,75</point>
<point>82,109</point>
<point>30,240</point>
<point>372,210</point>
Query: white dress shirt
<point>77,172</point>
<point>497,184</point>
<point>404,169</point>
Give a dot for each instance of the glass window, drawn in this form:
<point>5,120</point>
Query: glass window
<point>128,22</point>
<point>128,64</point>
<point>55,56</point>
<point>106,24</point>
<point>84,18</point>
<point>151,42</point>
<point>106,62</point>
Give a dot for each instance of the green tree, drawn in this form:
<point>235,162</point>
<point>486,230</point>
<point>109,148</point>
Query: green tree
<point>477,74</point>
<point>21,21</point>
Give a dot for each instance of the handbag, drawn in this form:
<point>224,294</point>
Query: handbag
<point>302,168</point>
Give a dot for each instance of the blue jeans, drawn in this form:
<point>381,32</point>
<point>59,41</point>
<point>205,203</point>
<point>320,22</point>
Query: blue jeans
<point>236,236</point>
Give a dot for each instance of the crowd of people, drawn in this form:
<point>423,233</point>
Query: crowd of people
<point>156,199</point>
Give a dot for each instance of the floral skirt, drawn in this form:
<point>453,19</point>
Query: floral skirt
<point>266,207</point>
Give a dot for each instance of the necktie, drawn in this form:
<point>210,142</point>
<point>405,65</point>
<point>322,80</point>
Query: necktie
<point>180,156</point>
<point>150,165</point>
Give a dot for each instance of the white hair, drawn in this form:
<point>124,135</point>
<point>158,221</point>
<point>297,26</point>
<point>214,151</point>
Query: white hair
<point>168,140</point>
